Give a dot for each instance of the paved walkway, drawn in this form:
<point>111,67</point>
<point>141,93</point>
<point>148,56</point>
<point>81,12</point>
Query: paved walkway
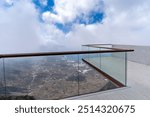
<point>138,86</point>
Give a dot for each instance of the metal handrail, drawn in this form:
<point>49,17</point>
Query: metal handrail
<point>62,53</point>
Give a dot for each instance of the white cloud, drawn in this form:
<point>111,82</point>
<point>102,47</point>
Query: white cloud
<point>126,22</point>
<point>10,2</point>
<point>68,10</point>
<point>22,31</point>
<point>19,28</point>
<point>53,38</point>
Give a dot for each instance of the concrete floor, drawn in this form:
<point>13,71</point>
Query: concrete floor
<point>138,86</point>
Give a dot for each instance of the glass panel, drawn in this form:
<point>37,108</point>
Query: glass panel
<point>114,65</point>
<point>52,77</point>
<point>18,76</point>
<point>91,80</point>
<point>2,84</point>
<point>94,58</point>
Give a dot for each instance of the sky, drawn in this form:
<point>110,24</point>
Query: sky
<point>57,25</point>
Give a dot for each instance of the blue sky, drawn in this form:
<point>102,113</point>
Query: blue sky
<point>43,8</point>
<point>30,25</point>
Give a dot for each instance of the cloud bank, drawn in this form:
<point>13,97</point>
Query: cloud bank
<point>19,27</point>
<point>68,24</point>
<point>66,11</point>
<point>125,22</point>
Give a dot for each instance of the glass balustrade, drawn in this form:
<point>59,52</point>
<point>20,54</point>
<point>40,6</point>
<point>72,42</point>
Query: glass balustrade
<point>58,76</point>
<point>114,64</point>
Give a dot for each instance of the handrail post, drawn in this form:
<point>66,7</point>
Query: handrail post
<point>126,68</point>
